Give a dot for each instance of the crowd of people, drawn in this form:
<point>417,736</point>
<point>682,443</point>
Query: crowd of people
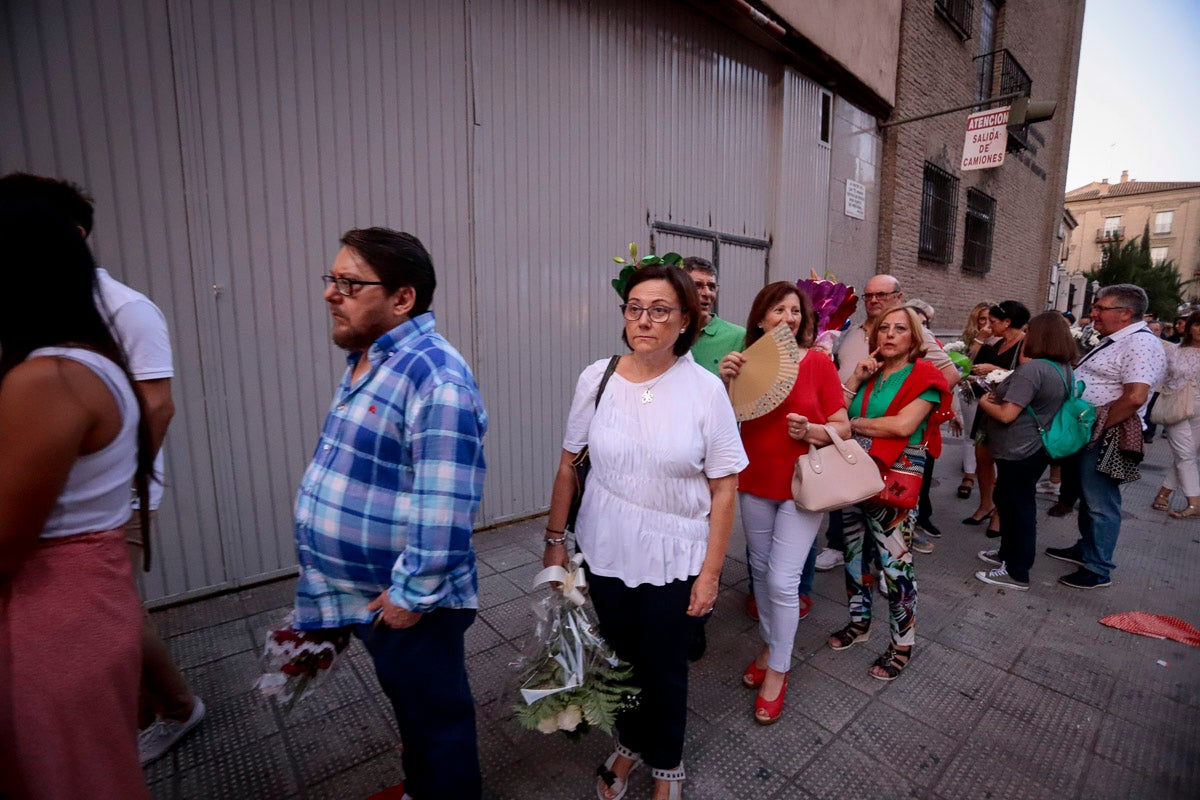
<point>385,510</point>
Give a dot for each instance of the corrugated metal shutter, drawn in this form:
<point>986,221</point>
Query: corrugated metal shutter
<point>230,143</point>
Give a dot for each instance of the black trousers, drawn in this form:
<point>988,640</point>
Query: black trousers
<point>1016,490</point>
<point>423,672</point>
<point>648,626</point>
<point>924,505</point>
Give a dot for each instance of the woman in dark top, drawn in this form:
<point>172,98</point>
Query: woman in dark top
<point>1040,384</point>
<point>1008,320</point>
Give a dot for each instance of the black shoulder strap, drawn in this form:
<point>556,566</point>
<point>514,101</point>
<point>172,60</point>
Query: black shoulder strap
<point>612,367</point>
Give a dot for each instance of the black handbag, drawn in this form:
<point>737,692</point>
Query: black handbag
<point>582,463</point>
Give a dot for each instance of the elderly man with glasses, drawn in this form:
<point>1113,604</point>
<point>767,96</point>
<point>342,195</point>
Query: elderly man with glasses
<point>1118,375</point>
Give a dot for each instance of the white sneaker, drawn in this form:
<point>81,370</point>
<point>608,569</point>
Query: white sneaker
<point>155,741</point>
<point>1048,487</point>
<point>991,557</point>
<point>829,559</point>
<point>999,577</point>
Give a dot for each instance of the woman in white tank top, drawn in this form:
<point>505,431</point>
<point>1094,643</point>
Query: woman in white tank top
<point>70,446</point>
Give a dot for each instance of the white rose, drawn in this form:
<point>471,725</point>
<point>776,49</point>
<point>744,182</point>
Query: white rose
<point>548,724</point>
<point>569,718</point>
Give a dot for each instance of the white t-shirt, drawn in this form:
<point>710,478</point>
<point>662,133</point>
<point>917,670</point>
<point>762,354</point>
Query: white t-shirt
<point>645,514</point>
<point>141,329</point>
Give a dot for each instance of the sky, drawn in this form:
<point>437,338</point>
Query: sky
<point>1137,105</point>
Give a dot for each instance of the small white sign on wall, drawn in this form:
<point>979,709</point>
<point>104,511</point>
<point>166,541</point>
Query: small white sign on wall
<point>856,199</point>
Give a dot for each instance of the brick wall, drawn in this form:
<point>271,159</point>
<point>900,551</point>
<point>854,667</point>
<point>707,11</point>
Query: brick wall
<point>937,71</point>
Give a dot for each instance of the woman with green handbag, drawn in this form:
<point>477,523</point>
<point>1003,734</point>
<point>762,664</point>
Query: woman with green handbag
<point>1040,383</point>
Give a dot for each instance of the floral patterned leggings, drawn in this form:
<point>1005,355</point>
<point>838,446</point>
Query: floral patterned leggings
<point>890,531</point>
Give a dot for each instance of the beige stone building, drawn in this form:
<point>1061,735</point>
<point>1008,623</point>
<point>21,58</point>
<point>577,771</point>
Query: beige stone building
<point>1119,212</point>
<point>955,237</point>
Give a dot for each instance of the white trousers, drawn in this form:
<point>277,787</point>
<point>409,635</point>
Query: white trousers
<point>779,537</point>
<point>969,409</point>
<point>1185,446</point>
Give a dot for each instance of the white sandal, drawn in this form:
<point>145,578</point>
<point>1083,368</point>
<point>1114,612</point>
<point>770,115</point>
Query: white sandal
<point>610,779</point>
<point>675,777</point>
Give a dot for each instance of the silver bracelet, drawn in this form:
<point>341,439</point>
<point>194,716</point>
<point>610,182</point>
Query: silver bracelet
<point>554,542</point>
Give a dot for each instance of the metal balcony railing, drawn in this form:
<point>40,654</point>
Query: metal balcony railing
<point>1000,73</point>
<point>1110,234</point>
<point>958,14</point>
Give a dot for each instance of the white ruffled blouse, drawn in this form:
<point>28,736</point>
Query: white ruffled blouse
<point>645,514</point>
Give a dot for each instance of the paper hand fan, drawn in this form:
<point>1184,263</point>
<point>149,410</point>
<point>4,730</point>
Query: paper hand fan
<point>767,376</point>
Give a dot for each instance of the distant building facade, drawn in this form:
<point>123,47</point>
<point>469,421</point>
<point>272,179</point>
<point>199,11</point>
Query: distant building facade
<point>1119,212</point>
<point>956,237</point>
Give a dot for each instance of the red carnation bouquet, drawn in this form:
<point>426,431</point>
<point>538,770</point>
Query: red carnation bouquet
<point>294,662</point>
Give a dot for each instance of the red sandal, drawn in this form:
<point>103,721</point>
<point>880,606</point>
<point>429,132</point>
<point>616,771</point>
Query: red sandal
<point>767,711</point>
<point>753,677</point>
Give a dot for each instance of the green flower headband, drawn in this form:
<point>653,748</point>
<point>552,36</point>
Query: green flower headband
<point>632,265</point>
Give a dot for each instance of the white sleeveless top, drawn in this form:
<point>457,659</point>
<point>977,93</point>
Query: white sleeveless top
<point>96,497</point>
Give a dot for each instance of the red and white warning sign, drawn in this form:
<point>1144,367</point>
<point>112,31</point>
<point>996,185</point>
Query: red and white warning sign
<point>987,139</point>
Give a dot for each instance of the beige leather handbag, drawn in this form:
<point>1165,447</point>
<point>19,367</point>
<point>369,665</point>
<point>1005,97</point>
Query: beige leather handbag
<point>835,475</point>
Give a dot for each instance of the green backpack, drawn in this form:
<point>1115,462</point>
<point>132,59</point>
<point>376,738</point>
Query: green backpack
<point>1071,428</point>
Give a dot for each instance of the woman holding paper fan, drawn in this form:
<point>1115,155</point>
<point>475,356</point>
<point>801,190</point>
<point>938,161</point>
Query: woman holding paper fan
<point>656,512</point>
<point>779,535</point>
<point>899,399</point>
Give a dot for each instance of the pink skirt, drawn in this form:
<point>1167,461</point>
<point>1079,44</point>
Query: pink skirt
<point>70,665</point>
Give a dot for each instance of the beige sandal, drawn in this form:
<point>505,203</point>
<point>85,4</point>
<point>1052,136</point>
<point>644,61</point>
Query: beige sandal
<point>1162,500</point>
<point>1191,511</point>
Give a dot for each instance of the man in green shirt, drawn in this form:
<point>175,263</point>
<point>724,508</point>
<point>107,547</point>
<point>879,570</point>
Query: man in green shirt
<point>717,338</point>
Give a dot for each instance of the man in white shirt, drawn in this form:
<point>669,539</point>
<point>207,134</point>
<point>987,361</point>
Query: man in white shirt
<point>1119,373</point>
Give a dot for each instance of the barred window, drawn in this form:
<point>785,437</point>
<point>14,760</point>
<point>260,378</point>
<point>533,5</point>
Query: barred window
<point>957,14</point>
<point>977,236</point>
<point>939,206</point>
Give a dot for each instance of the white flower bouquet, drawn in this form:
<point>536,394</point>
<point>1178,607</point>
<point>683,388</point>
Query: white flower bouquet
<point>1086,338</point>
<point>570,679</point>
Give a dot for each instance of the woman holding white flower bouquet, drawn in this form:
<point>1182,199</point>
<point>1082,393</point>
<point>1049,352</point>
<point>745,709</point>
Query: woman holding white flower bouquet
<point>1007,321</point>
<point>655,519</point>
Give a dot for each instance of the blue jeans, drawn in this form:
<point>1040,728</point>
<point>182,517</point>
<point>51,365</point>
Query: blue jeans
<point>423,672</point>
<point>1099,514</point>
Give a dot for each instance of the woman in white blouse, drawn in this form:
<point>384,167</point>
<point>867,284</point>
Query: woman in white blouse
<point>655,519</point>
<point>1183,372</point>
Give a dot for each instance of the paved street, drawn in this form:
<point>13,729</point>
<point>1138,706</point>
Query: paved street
<point>1009,694</point>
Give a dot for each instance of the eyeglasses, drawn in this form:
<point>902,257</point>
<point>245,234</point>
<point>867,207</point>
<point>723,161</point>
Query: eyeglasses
<point>1108,308</point>
<point>878,295</point>
<point>347,286</point>
<point>633,312</point>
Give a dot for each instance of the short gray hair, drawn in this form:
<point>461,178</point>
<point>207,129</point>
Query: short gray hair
<point>1127,295</point>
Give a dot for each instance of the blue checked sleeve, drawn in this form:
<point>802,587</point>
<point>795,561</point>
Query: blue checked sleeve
<point>437,565</point>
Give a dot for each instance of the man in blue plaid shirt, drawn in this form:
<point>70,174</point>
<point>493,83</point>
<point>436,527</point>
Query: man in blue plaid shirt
<point>385,510</point>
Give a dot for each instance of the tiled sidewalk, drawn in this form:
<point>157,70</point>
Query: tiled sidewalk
<point>1009,694</point>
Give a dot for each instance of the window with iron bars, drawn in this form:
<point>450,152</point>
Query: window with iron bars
<point>957,14</point>
<point>939,206</point>
<point>977,233</point>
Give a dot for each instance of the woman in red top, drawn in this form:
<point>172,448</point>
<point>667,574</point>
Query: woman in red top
<point>779,535</point>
